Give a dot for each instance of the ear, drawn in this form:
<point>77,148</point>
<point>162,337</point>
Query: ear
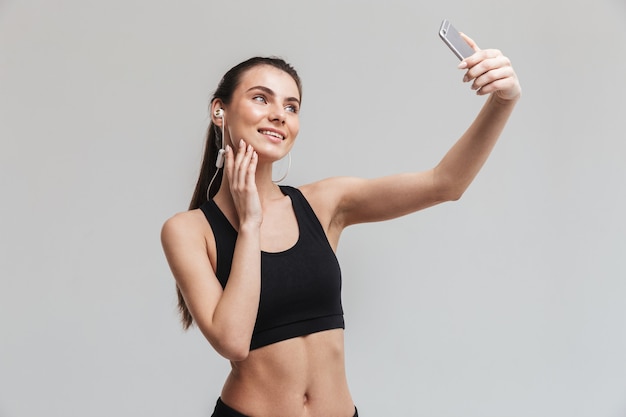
<point>215,106</point>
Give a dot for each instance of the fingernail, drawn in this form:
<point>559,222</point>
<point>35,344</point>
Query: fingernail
<point>241,142</point>
<point>462,65</point>
<point>227,148</point>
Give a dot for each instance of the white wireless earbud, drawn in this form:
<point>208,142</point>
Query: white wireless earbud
<point>219,162</point>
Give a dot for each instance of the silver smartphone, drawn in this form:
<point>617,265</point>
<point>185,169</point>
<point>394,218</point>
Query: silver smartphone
<point>453,39</point>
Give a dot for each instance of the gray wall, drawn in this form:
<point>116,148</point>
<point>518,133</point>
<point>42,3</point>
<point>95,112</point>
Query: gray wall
<point>509,302</point>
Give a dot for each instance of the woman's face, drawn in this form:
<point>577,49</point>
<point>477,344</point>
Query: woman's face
<point>264,112</point>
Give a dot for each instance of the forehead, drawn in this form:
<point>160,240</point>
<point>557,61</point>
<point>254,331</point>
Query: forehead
<point>273,78</point>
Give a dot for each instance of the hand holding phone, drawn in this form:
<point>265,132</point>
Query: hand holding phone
<point>453,39</point>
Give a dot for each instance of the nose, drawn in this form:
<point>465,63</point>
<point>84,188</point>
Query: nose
<point>277,114</point>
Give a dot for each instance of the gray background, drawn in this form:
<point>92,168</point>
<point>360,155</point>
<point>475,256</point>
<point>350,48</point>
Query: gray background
<point>510,302</point>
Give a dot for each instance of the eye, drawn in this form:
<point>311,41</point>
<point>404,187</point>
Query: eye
<point>291,108</point>
<point>260,99</point>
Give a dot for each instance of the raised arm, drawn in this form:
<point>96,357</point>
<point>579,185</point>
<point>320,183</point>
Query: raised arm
<point>366,200</point>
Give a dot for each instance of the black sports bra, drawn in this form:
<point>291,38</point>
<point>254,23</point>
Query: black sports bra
<point>300,287</point>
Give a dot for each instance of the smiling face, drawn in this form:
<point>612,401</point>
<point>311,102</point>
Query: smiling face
<point>264,112</point>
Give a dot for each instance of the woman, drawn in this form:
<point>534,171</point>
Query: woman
<point>255,265</point>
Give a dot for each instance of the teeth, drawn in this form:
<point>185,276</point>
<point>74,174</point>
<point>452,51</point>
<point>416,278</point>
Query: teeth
<point>276,135</point>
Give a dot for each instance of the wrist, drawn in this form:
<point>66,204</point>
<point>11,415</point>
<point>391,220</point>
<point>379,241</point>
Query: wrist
<point>496,99</point>
<point>250,227</point>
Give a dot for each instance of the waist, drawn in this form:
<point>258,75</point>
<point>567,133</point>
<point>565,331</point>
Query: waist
<point>304,377</point>
<point>223,410</point>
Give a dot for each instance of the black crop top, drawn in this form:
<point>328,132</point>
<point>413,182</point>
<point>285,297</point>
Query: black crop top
<point>300,287</point>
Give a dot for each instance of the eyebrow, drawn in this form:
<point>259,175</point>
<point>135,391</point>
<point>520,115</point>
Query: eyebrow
<point>270,92</point>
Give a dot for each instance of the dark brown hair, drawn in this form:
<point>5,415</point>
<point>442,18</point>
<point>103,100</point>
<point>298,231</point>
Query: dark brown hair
<point>224,92</point>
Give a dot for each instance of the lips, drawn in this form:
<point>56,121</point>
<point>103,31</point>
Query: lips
<point>273,133</point>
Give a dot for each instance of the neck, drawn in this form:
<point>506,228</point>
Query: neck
<point>266,188</point>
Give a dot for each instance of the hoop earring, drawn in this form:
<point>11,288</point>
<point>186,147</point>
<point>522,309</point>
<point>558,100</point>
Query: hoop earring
<point>286,172</point>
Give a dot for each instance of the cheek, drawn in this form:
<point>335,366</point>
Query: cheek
<point>295,127</point>
<point>250,114</point>
<point>256,112</point>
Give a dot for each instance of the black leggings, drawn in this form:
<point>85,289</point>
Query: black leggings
<point>222,410</point>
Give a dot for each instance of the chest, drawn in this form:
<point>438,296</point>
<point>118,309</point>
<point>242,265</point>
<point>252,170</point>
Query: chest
<point>279,230</point>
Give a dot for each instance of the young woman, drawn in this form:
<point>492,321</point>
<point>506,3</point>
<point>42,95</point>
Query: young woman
<point>255,262</point>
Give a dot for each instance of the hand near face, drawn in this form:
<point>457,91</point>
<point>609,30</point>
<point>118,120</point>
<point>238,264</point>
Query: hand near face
<point>490,72</point>
<point>240,168</point>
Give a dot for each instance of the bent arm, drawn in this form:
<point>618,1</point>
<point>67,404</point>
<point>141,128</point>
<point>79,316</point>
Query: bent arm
<point>225,317</point>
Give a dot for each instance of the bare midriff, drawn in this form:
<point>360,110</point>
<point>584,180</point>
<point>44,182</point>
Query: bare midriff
<point>299,377</point>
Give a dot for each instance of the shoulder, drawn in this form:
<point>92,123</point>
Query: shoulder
<point>187,226</point>
<point>331,191</point>
<point>329,188</point>
<point>328,196</point>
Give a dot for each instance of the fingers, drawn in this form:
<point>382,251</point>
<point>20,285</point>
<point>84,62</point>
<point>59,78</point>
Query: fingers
<point>493,80</point>
<point>490,72</point>
<point>470,41</point>
<point>241,167</point>
<point>249,167</point>
<point>481,62</point>
<point>491,67</point>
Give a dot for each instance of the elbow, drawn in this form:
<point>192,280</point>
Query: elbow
<point>228,339</point>
<point>455,195</point>
<point>237,355</point>
<point>450,192</point>
<point>234,350</point>
<point>448,187</point>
